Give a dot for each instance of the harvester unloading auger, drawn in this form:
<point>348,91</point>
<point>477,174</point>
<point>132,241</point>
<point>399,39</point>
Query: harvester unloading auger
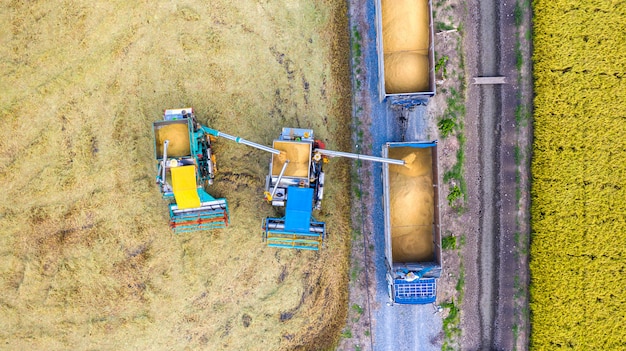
<point>186,166</point>
<point>296,182</point>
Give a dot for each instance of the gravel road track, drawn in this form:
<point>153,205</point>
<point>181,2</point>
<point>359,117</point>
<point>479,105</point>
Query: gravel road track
<point>398,327</point>
<point>489,139</point>
<point>488,309</point>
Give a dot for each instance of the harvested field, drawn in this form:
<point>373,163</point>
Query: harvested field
<point>578,256</point>
<point>88,260</point>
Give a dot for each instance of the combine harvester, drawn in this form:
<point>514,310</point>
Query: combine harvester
<point>296,182</point>
<point>186,167</point>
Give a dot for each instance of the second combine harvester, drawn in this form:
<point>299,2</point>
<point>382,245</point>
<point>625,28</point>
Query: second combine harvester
<point>186,167</point>
<point>296,182</point>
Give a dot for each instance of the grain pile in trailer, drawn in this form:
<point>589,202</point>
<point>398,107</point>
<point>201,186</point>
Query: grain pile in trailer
<point>406,39</point>
<point>298,155</point>
<point>412,205</point>
<point>178,137</point>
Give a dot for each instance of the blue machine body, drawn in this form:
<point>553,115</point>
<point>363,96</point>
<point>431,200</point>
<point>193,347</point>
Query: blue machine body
<point>298,229</point>
<point>295,182</point>
<point>421,291</point>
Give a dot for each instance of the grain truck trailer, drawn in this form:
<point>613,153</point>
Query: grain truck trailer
<point>412,231</point>
<point>405,51</point>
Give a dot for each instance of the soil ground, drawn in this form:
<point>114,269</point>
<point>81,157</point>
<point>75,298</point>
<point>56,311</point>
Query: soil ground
<point>88,260</point>
<point>495,313</point>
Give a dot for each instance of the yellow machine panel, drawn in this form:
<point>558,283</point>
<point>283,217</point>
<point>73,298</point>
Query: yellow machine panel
<point>184,186</point>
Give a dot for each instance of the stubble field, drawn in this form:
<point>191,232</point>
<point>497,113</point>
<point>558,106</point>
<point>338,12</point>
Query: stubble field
<point>87,258</point>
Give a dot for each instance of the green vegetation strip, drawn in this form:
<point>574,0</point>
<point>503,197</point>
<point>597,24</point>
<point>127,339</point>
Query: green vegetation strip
<point>578,256</point>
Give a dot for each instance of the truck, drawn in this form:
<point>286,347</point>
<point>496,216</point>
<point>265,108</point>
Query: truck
<point>412,222</point>
<point>405,48</point>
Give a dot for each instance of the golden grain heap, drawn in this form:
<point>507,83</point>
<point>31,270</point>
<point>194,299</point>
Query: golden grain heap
<point>578,249</point>
<point>405,27</point>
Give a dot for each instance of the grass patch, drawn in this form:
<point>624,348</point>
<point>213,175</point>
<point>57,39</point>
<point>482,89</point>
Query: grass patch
<point>356,46</point>
<point>442,27</point>
<point>354,273</point>
<point>451,323</point>
<point>455,194</point>
<point>456,173</point>
<point>460,284</point>
<point>446,127</point>
<point>517,155</point>
<point>518,189</point>
<point>440,66</point>
<point>357,191</point>
<point>448,242</point>
<point>346,333</point>
<point>518,12</point>
<point>519,60</point>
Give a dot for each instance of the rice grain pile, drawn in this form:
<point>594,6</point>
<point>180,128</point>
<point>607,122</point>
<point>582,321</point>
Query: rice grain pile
<point>406,72</point>
<point>405,25</point>
<point>298,155</point>
<point>412,206</point>
<point>406,41</point>
<point>178,136</point>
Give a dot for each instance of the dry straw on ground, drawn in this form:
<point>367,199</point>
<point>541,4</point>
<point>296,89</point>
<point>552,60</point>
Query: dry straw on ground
<point>578,256</point>
<point>88,261</point>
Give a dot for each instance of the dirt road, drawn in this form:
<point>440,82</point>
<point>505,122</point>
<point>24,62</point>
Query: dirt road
<point>495,205</point>
<point>492,263</point>
<point>398,327</point>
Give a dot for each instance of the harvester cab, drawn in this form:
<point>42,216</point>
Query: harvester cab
<point>186,167</point>
<point>296,182</point>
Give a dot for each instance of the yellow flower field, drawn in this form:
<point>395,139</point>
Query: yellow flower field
<point>578,248</point>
